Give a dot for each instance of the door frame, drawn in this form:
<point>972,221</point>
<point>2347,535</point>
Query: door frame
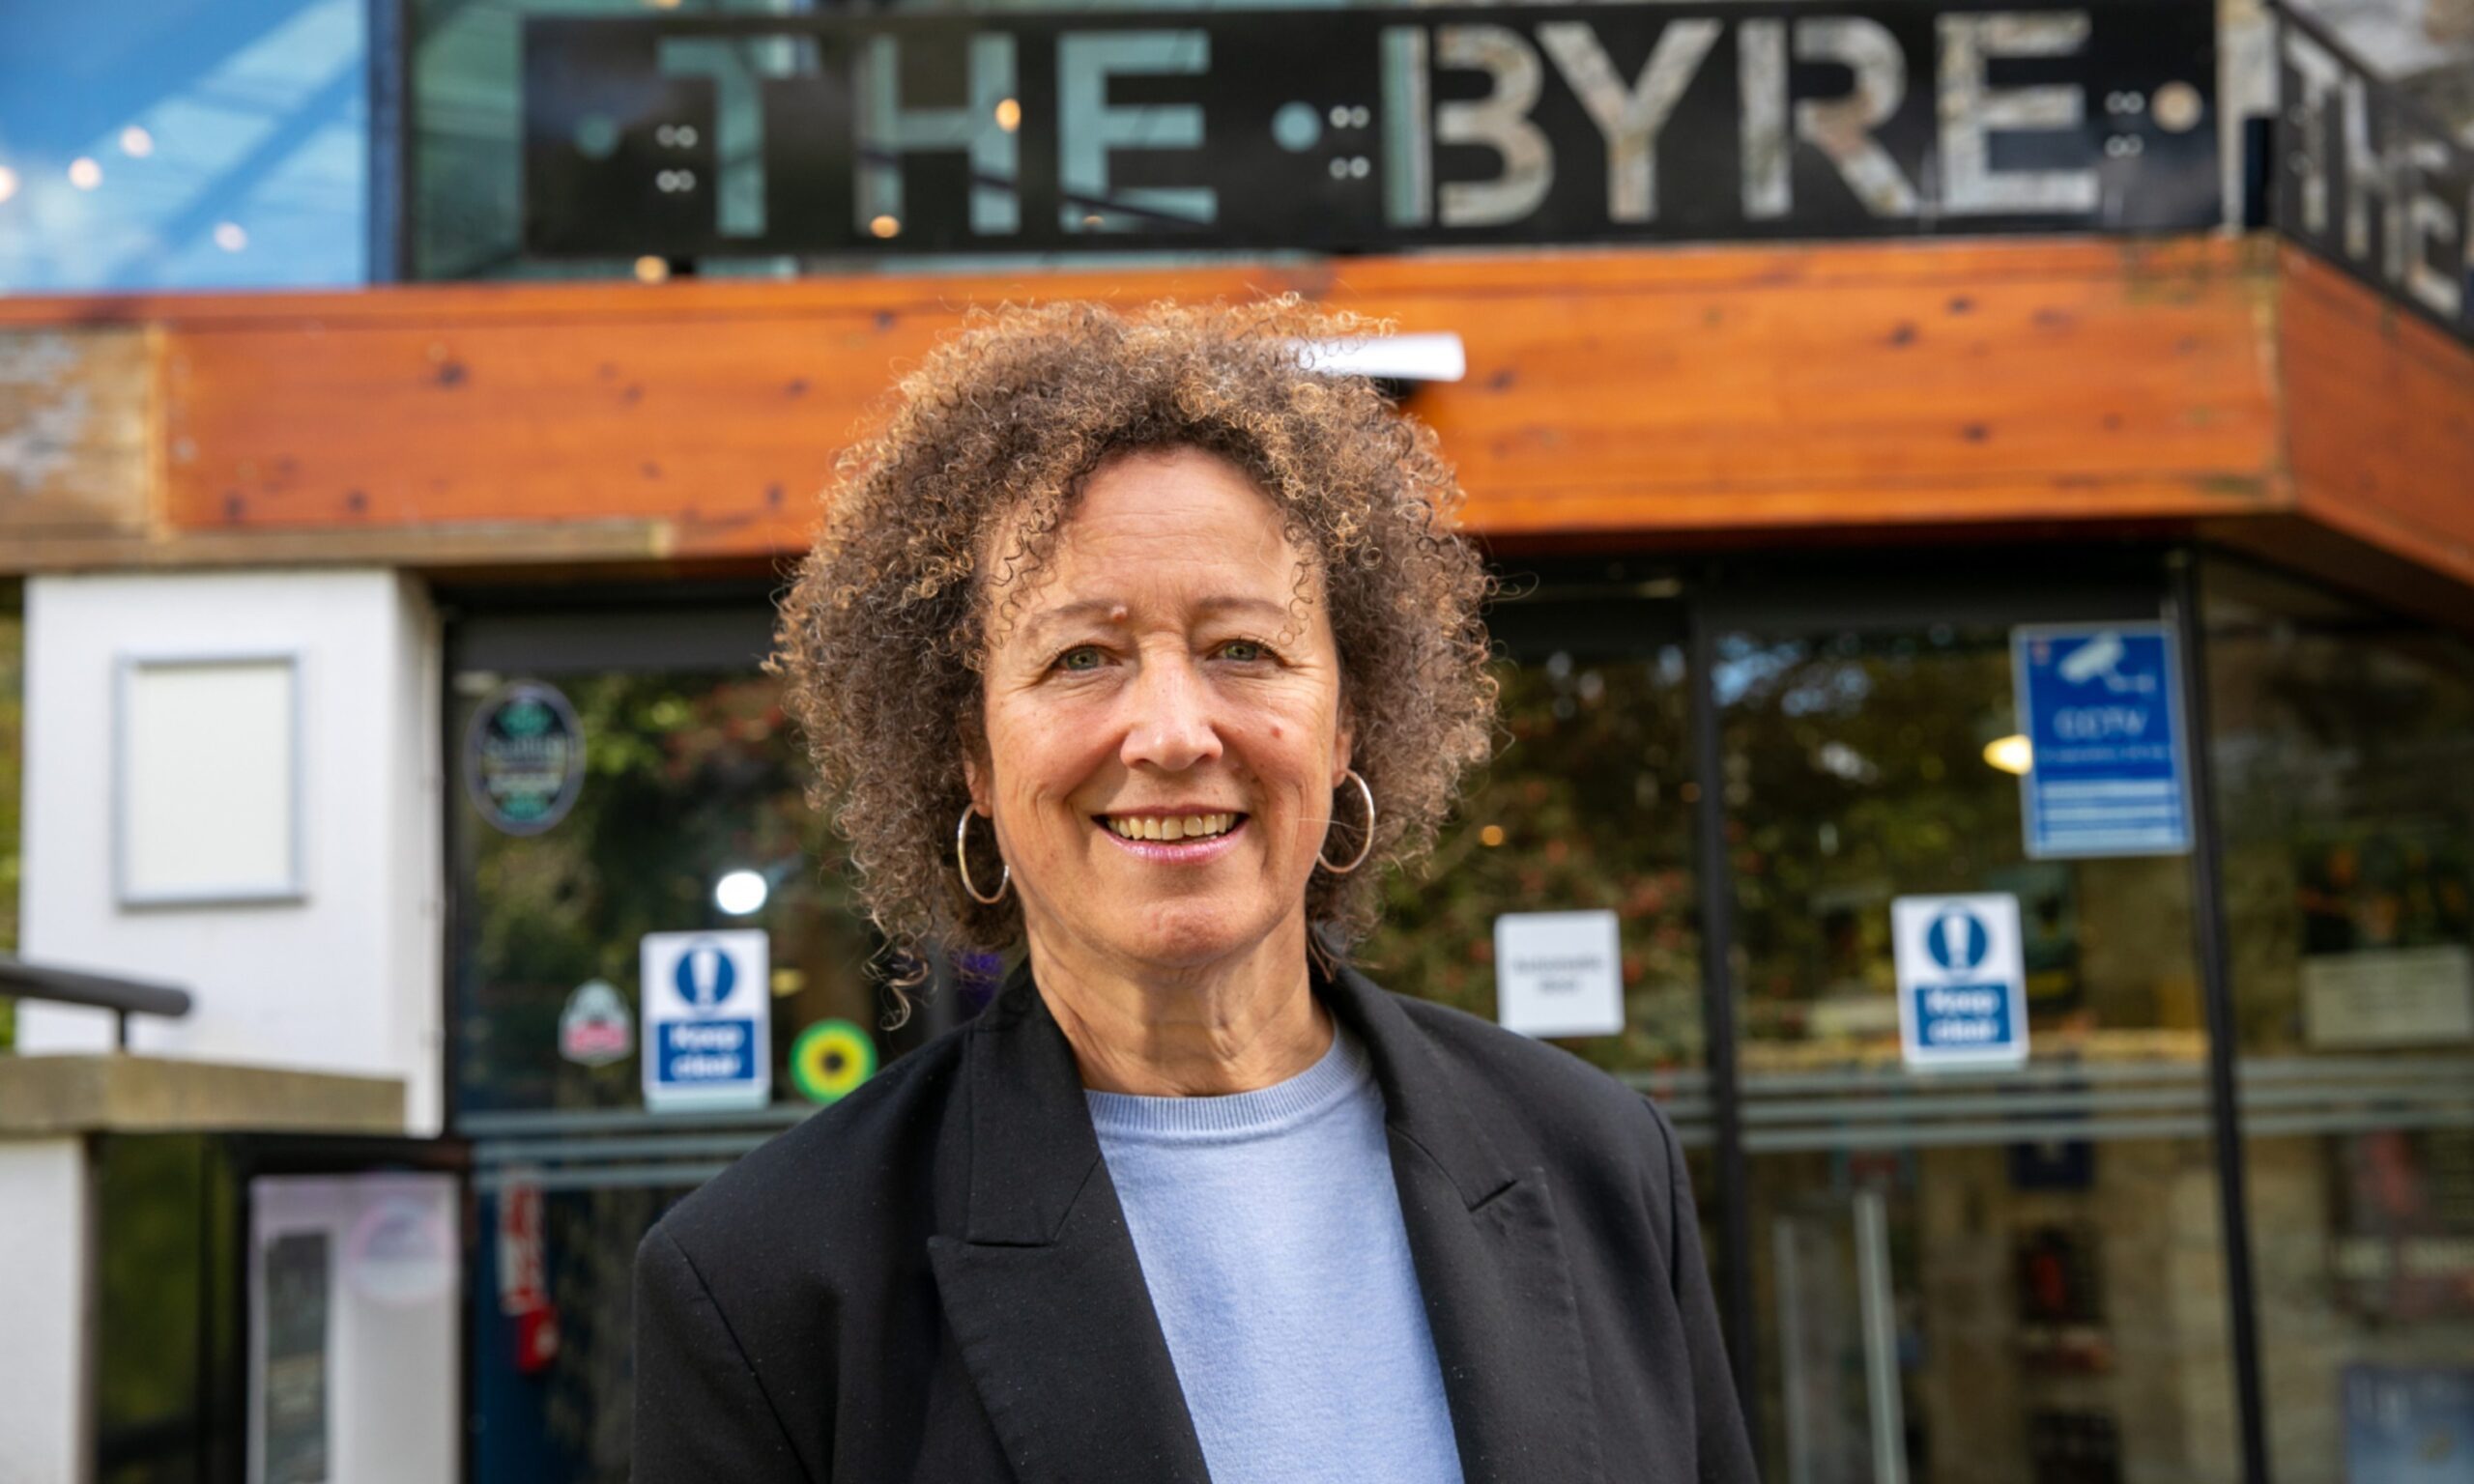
<point>1910,588</point>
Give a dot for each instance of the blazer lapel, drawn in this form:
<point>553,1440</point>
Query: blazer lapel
<point>1043,1290</point>
<point>1491,1259</point>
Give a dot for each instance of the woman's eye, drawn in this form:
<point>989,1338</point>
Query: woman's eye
<point>1244,651</point>
<point>1083,657</point>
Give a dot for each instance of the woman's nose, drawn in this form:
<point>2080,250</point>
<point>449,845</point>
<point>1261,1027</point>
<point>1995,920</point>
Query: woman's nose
<point>1169,727</point>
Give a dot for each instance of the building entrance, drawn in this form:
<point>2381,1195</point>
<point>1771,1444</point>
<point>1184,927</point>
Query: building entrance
<point>2001,1266</point>
<point>2018,1269</point>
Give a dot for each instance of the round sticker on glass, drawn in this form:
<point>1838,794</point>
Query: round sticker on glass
<point>524,758</point>
<point>830,1059</point>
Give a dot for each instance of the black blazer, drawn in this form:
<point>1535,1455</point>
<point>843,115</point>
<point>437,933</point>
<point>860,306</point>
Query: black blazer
<point>932,1280</point>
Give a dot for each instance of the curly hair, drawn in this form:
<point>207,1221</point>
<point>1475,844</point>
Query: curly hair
<point>885,631</point>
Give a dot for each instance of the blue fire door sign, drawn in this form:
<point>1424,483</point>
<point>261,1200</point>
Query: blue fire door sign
<point>707,1006</point>
<point>1962,980</point>
<point>2102,716</point>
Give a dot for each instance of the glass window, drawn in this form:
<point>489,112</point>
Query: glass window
<point>184,146</point>
<point>2344,764</point>
<point>466,163</point>
<point>689,777</point>
<point>553,1347</point>
<point>465,122</point>
<point>1586,806</point>
<point>13,781</point>
<point>1985,1276</point>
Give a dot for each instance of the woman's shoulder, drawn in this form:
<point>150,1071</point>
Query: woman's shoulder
<point>1536,1092</point>
<point>857,1170</point>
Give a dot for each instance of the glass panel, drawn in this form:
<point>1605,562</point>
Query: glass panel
<point>466,122</point>
<point>354,1286</point>
<point>688,778</point>
<point>553,1374</point>
<point>152,146</point>
<point>2344,753</point>
<point>1987,1275</point>
<point>1586,807</point>
<point>158,1199</point>
<point>12,773</point>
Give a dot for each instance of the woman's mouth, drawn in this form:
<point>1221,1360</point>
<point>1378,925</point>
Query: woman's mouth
<point>1188,837</point>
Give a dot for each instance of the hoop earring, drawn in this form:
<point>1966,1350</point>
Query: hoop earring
<point>962,863</point>
<point>1368,843</point>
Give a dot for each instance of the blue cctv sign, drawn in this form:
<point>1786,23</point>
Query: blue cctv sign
<point>707,1021</point>
<point>2101,708</point>
<point>1962,980</point>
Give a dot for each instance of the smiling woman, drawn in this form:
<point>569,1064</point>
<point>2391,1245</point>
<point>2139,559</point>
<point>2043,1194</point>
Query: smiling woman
<point>934,570</point>
<point>1126,645</point>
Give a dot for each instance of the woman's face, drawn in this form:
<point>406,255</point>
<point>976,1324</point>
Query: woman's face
<point>1163,722</point>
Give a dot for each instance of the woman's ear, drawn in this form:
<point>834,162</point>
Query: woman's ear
<point>1343,746</point>
<point>975,779</point>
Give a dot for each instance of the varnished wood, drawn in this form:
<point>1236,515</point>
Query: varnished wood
<point>1669,397</point>
<point>1691,391</point>
<point>2379,418</point>
<point>76,451</point>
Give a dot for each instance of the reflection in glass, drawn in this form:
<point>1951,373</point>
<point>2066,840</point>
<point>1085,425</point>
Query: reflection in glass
<point>1988,1276</point>
<point>690,780</point>
<point>2344,764</point>
<point>1583,809</point>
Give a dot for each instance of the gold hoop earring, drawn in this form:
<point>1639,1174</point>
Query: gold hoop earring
<point>1364,846</point>
<point>961,863</point>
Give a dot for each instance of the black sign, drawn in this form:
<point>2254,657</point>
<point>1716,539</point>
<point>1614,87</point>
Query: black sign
<point>524,758</point>
<point>2370,184</point>
<point>1350,130</point>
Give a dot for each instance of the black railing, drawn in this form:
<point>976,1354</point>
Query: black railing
<point>123,997</point>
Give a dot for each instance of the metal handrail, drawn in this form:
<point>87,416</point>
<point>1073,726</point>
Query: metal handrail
<point>123,997</point>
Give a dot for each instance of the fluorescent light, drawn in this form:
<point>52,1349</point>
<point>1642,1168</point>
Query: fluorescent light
<point>741,893</point>
<point>1425,358</point>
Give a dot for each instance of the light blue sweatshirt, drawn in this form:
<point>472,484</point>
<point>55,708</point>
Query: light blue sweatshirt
<point>1271,1241</point>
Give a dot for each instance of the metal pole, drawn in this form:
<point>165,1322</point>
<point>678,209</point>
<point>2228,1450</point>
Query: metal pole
<point>1718,1016</point>
<point>2208,920</point>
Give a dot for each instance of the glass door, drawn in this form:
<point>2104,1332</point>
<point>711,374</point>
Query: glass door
<point>1987,1274</point>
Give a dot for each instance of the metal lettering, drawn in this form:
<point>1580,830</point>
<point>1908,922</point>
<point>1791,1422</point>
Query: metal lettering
<point>1842,127</point>
<point>1971,111</point>
<point>738,70</point>
<point>1500,122</point>
<point>887,127</point>
<point>1090,128</point>
<point>2322,76</point>
<point>1761,77</point>
<point>2366,174</point>
<point>1629,119</point>
<point>1408,142</point>
<point>2427,217</point>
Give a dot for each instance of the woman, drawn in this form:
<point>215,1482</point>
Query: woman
<point>1141,646</point>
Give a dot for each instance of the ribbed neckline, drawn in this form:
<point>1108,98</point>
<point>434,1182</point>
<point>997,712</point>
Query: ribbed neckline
<point>1233,1117</point>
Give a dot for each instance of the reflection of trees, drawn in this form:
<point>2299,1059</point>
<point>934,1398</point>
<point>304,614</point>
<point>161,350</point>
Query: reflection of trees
<point>1856,773</point>
<point>587,1405</point>
<point>686,777</point>
<point>2345,775</point>
<point>163,1201</point>
<point>1588,798</point>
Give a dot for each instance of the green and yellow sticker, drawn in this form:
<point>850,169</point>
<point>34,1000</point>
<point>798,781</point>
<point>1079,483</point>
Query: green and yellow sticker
<point>831,1057</point>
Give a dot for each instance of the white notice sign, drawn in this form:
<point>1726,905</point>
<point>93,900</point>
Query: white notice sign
<point>2388,997</point>
<point>1962,980</point>
<point>707,1006</point>
<point>1559,973</point>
